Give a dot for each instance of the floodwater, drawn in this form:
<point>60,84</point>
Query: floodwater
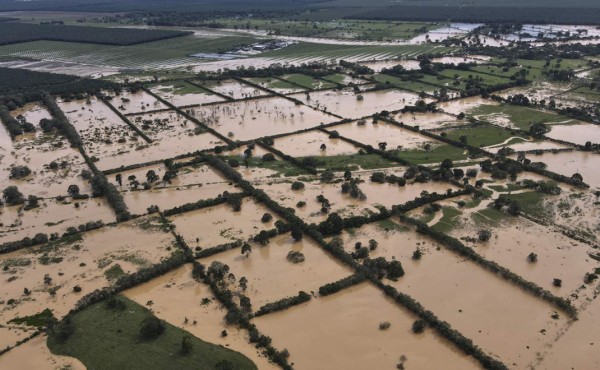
<point>191,185</point>
<point>53,216</point>
<point>374,133</point>
<point>251,119</point>
<point>482,306</point>
<point>513,240</point>
<point>569,163</point>
<point>345,102</point>
<point>234,89</point>
<point>309,144</point>
<point>136,102</point>
<point>578,134</point>
<point>83,263</point>
<point>427,121</point>
<point>350,338</point>
<point>272,277</point>
<point>276,85</point>
<point>35,355</point>
<point>209,227</point>
<point>176,296</point>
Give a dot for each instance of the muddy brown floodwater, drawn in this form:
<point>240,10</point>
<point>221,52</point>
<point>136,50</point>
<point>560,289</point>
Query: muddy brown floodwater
<point>341,331</point>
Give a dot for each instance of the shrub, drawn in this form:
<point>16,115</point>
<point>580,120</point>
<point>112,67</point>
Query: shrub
<point>151,328</point>
<point>266,218</point>
<point>418,326</point>
<point>384,325</point>
<point>18,172</point>
<point>297,185</point>
<point>268,157</point>
<point>295,257</point>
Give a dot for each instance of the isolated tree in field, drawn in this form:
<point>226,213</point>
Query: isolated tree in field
<point>119,179</point>
<point>577,177</point>
<point>152,177</point>
<point>151,327</point>
<point>18,172</point>
<point>373,244</point>
<point>133,182</point>
<point>417,254</point>
<point>12,196</point>
<point>418,326</point>
<point>246,249</point>
<point>484,235</point>
<point>73,190</point>
<point>382,145</point>
<point>32,202</point>
<point>323,147</point>
<point>243,282</point>
<point>347,175</point>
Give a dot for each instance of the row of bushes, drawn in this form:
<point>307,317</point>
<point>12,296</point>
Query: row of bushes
<point>458,247</point>
<point>12,125</point>
<point>442,328</point>
<point>205,203</point>
<point>39,238</point>
<point>218,249</point>
<point>60,121</point>
<point>283,304</point>
<point>102,187</point>
<point>336,286</point>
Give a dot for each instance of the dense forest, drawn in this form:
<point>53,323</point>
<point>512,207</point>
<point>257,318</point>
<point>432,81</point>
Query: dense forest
<point>12,33</point>
<point>18,86</point>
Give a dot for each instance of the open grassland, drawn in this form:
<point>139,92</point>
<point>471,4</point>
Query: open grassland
<point>110,339</point>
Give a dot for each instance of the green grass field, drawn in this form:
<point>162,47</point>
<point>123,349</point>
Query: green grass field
<point>481,136</point>
<point>109,339</point>
<point>308,81</point>
<point>521,117</point>
<point>344,29</point>
<point>353,162</point>
<point>273,83</point>
<point>465,75</point>
<point>449,220</point>
<point>158,54</point>
<point>436,155</point>
<point>414,86</point>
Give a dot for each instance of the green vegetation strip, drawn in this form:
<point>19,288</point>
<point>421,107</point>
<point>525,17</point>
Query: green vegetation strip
<point>105,338</point>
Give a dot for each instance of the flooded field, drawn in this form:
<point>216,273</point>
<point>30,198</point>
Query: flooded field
<point>176,297</point>
<point>90,261</point>
<point>347,103</point>
<point>187,122</point>
<point>271,276</point>
<point>311,144</point>
<point>246,120</point>
<point>191,185</point>
<point>381,132</point>
<point>213,226</point>
<point>361,344</point>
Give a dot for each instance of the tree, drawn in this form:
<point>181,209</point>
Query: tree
<point>246,249</point>
<point>243,283</point>
<point>18,172</point>
<point>373,244</point>
<point>152,177</point>
<point>382,145</point>
<point>484,235</point>
<point>186,345</point>
<point>266,218</point>
<point>13,196</point>
<point>418,326</point>
<point>538,129</point>
<point>323,147</point>
<point>73,190</point>
<point>296,233</point>
<point>417,254</point>
<point>133,181</point>
<point>119,179</point>
<point>151,328</point>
